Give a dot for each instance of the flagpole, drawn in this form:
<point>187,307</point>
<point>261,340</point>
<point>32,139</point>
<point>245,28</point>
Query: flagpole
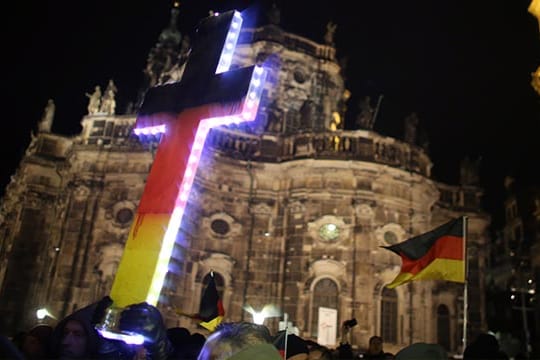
<point>286,318</point>
<point>465,284</point>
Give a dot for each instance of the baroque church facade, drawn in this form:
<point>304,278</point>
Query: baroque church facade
<point>291,210</point>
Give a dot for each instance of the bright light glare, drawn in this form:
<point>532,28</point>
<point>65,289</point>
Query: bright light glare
<point>258,318</point>
<point>267,311</point>
<point>150,130</point>
<point>42,313</point>
<point>132,339</point>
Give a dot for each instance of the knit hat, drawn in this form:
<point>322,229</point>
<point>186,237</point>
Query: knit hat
<point>295,345</point>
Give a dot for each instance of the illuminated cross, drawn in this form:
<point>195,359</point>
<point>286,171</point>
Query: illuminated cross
<point>208,95</point>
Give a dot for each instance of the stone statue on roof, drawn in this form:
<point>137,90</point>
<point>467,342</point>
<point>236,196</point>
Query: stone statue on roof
<point>411,123</point>
<point>469,172</point>
<point>366,114</point>
<point>94,100</point>
<point>108,102</point>
<point>274,15</point>
<point>330,32</point>
<point>171,33</point>
<point>46,121</point>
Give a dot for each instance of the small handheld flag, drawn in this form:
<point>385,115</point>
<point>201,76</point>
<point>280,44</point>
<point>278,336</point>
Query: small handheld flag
<point>436,255</point>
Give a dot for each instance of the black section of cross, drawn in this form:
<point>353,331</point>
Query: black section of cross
<point>200,85</point>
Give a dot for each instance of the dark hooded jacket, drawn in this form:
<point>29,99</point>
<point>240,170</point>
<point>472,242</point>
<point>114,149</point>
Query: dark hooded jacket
<point>96,345</point>
<point>85,317</point>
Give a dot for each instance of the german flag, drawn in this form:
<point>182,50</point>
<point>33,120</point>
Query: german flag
<point>211,310</point>
<point>435,255</point>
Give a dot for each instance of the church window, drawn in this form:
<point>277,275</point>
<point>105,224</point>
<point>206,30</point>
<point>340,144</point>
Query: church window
<point>389,315</point>
<point>390,234</point>
<point>220,226</point>
<point>443,327</point>
<point>124,216</point>
<point>47,147</point>
<point>390,237</point>
<point>99,128</point>
<point>299,76</point>
<point>220,283</point>
<point>329,232</point>
<point>325,294</point>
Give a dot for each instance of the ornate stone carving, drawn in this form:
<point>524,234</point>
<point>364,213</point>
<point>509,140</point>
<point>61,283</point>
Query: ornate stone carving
<point>81,192</point>
<point>364,211</point>
<point>328,268</point>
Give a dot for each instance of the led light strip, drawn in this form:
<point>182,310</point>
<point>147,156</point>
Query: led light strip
<point>249,113</point>
<point>226,57</point>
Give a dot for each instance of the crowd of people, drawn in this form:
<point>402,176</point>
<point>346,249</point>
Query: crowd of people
<point>76,337</point>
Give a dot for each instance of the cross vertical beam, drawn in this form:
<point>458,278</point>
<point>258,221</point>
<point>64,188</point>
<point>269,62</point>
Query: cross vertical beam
<point>207,96</point>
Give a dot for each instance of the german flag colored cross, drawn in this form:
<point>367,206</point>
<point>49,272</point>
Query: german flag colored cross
<point>208,95</point>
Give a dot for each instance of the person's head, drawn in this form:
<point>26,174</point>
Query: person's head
<point>75,336</point>
<point>18,338</point>
<point>35,343</point>
<point>422,351</point>
<point>375,345</point>
<point>194,345</point>
<point>231,338</point>
<point>485,346</point>
<point>74,340</point>
<point>178,335</point>
<point>180,340</point>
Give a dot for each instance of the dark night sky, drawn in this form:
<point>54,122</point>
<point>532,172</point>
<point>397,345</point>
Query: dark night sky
<point>462,66</point>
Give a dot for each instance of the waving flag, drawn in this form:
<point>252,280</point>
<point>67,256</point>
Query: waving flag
<point>211,310</point>
<point>436,255</point>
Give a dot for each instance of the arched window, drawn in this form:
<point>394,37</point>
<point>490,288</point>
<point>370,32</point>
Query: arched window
<point>218,279</point>
<point>443,326</point>
<point>325,294</point>
<point>389,315</point>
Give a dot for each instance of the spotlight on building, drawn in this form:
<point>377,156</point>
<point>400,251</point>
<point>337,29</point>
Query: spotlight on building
<point>267,311</point>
